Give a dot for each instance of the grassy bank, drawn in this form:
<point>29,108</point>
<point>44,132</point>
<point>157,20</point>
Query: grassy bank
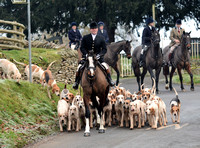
<point>26,113</point>
<point>40,56</point>
<point>186,79</point>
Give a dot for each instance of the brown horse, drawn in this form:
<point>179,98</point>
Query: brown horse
<point>94,85</point>
<point>153,60</point>
<point>180,61</point>
<point>113,50</point>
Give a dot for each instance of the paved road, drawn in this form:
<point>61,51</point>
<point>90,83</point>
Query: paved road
<point>187,134</point>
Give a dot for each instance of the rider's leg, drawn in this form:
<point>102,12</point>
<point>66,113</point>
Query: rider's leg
<point>142,54</point>
<point>109,79</point>
<point>78,76</point>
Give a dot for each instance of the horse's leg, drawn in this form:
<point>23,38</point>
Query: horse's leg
<point>180,77</point>
<point>117,71</point>
<point>191,76</point>
<point>87,116</point>
<point>157,78</point>
<point>137,75</point>
<point>171,75</point>
<point>98,119</point>
<point>100,116</point>
<point>144,72</point>
<point>151,73</point>
<point>166,73</point>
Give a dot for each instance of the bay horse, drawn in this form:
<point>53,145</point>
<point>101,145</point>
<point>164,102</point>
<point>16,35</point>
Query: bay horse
<point>113,50</point>
<point>94,84</point>
<point>181,60</point>
<point>153,60</point>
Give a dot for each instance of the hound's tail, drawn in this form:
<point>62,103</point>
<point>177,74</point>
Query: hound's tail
<point>65,85</point>
<point>23,64</point>
<point>153,91</point>
<point>50,65</point>
<point>175,92</point>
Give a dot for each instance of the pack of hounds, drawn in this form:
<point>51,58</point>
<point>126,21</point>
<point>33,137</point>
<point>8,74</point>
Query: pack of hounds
<point>122,108</point>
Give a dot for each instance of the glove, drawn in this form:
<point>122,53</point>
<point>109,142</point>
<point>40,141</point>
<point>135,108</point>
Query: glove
<point>98,56</point>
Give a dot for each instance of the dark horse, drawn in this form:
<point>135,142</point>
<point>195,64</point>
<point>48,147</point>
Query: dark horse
<point>153,60</point>
<point>94,85</point>
<point>113,50</point>
<point>180,61</point>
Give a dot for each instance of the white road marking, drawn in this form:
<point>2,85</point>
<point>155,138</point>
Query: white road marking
<point>177,126</point>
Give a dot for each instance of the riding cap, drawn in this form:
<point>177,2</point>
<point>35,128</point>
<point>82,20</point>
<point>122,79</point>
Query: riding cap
<point>93,25</point>
<point>73,24</point>
<point>149,20</point>
<point>100,23</point>
<point>178,22</point>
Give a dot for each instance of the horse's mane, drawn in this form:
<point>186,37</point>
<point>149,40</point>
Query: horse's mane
<point>118,42</point>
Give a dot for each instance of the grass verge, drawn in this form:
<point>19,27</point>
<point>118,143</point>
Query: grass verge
<point>26,113</point>
<point>186,79</point>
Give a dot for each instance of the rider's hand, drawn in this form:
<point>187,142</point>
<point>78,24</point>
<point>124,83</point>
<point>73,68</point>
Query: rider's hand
<point>177,41</point>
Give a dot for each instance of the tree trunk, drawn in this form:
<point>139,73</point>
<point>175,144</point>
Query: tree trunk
<point>111,34</point>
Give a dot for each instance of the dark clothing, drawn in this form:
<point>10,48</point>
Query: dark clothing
<point>104,34</point>
<point>146,35</point>
<point>74,37</point>
<point>98,45</point>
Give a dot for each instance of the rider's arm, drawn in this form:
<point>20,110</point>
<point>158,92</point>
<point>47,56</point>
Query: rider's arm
<point>83,46</point>
<point>144,35</point>
<point>71,37</point>
<point>103,46</point>
<point>172,36</point>
<point>80,36</point>
<point>106,38</point>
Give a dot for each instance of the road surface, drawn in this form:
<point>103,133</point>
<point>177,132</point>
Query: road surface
<point>185,135</point>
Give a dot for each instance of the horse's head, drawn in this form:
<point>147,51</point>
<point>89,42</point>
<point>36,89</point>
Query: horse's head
<point>185,39</point>
<point>127,49</point>
<point>155,37</point>
<point>91,58</point>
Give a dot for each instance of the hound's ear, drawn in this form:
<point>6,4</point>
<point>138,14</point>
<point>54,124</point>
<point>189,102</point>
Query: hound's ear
<point>183,32</point>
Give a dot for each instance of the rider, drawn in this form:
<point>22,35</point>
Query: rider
<point>146,39</point>
<point>103,32</point>
<point>74,35</point>
<point>175,37</point>
<point>94,42</point>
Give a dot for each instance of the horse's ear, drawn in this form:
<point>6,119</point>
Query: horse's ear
<point>130,41</point>
<point>183,32</point>
<point>189,32</point>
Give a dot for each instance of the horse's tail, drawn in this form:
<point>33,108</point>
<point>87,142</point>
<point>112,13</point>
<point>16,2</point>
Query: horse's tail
<point>50,65</point>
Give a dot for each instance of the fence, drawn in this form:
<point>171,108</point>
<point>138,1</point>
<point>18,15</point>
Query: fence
<point>17,38</point>
<point>195,49</point>
<point>125,66</point>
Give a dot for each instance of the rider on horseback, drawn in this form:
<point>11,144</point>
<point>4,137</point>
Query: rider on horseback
<point>146,39</point>
<point>175,37</point>
<point>74,36</point>
<point>97,44</point>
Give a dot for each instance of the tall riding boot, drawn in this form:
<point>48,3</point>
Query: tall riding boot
<point>109,79</point>
<point>77,81</point>
<point>141,60</point>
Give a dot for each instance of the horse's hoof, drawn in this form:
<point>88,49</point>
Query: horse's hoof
<point>101,130</point>
<point>98,125</point>
<point>192,88</point>
<point>171,89</point>
<point>157,92</point>
<point>167,86</point>
<point>87,134</point>
<point>131,128</point>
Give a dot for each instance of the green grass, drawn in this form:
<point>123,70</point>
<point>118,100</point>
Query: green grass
<point>40,56</point>
<point>26,113</point>
<point>186,79</point>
